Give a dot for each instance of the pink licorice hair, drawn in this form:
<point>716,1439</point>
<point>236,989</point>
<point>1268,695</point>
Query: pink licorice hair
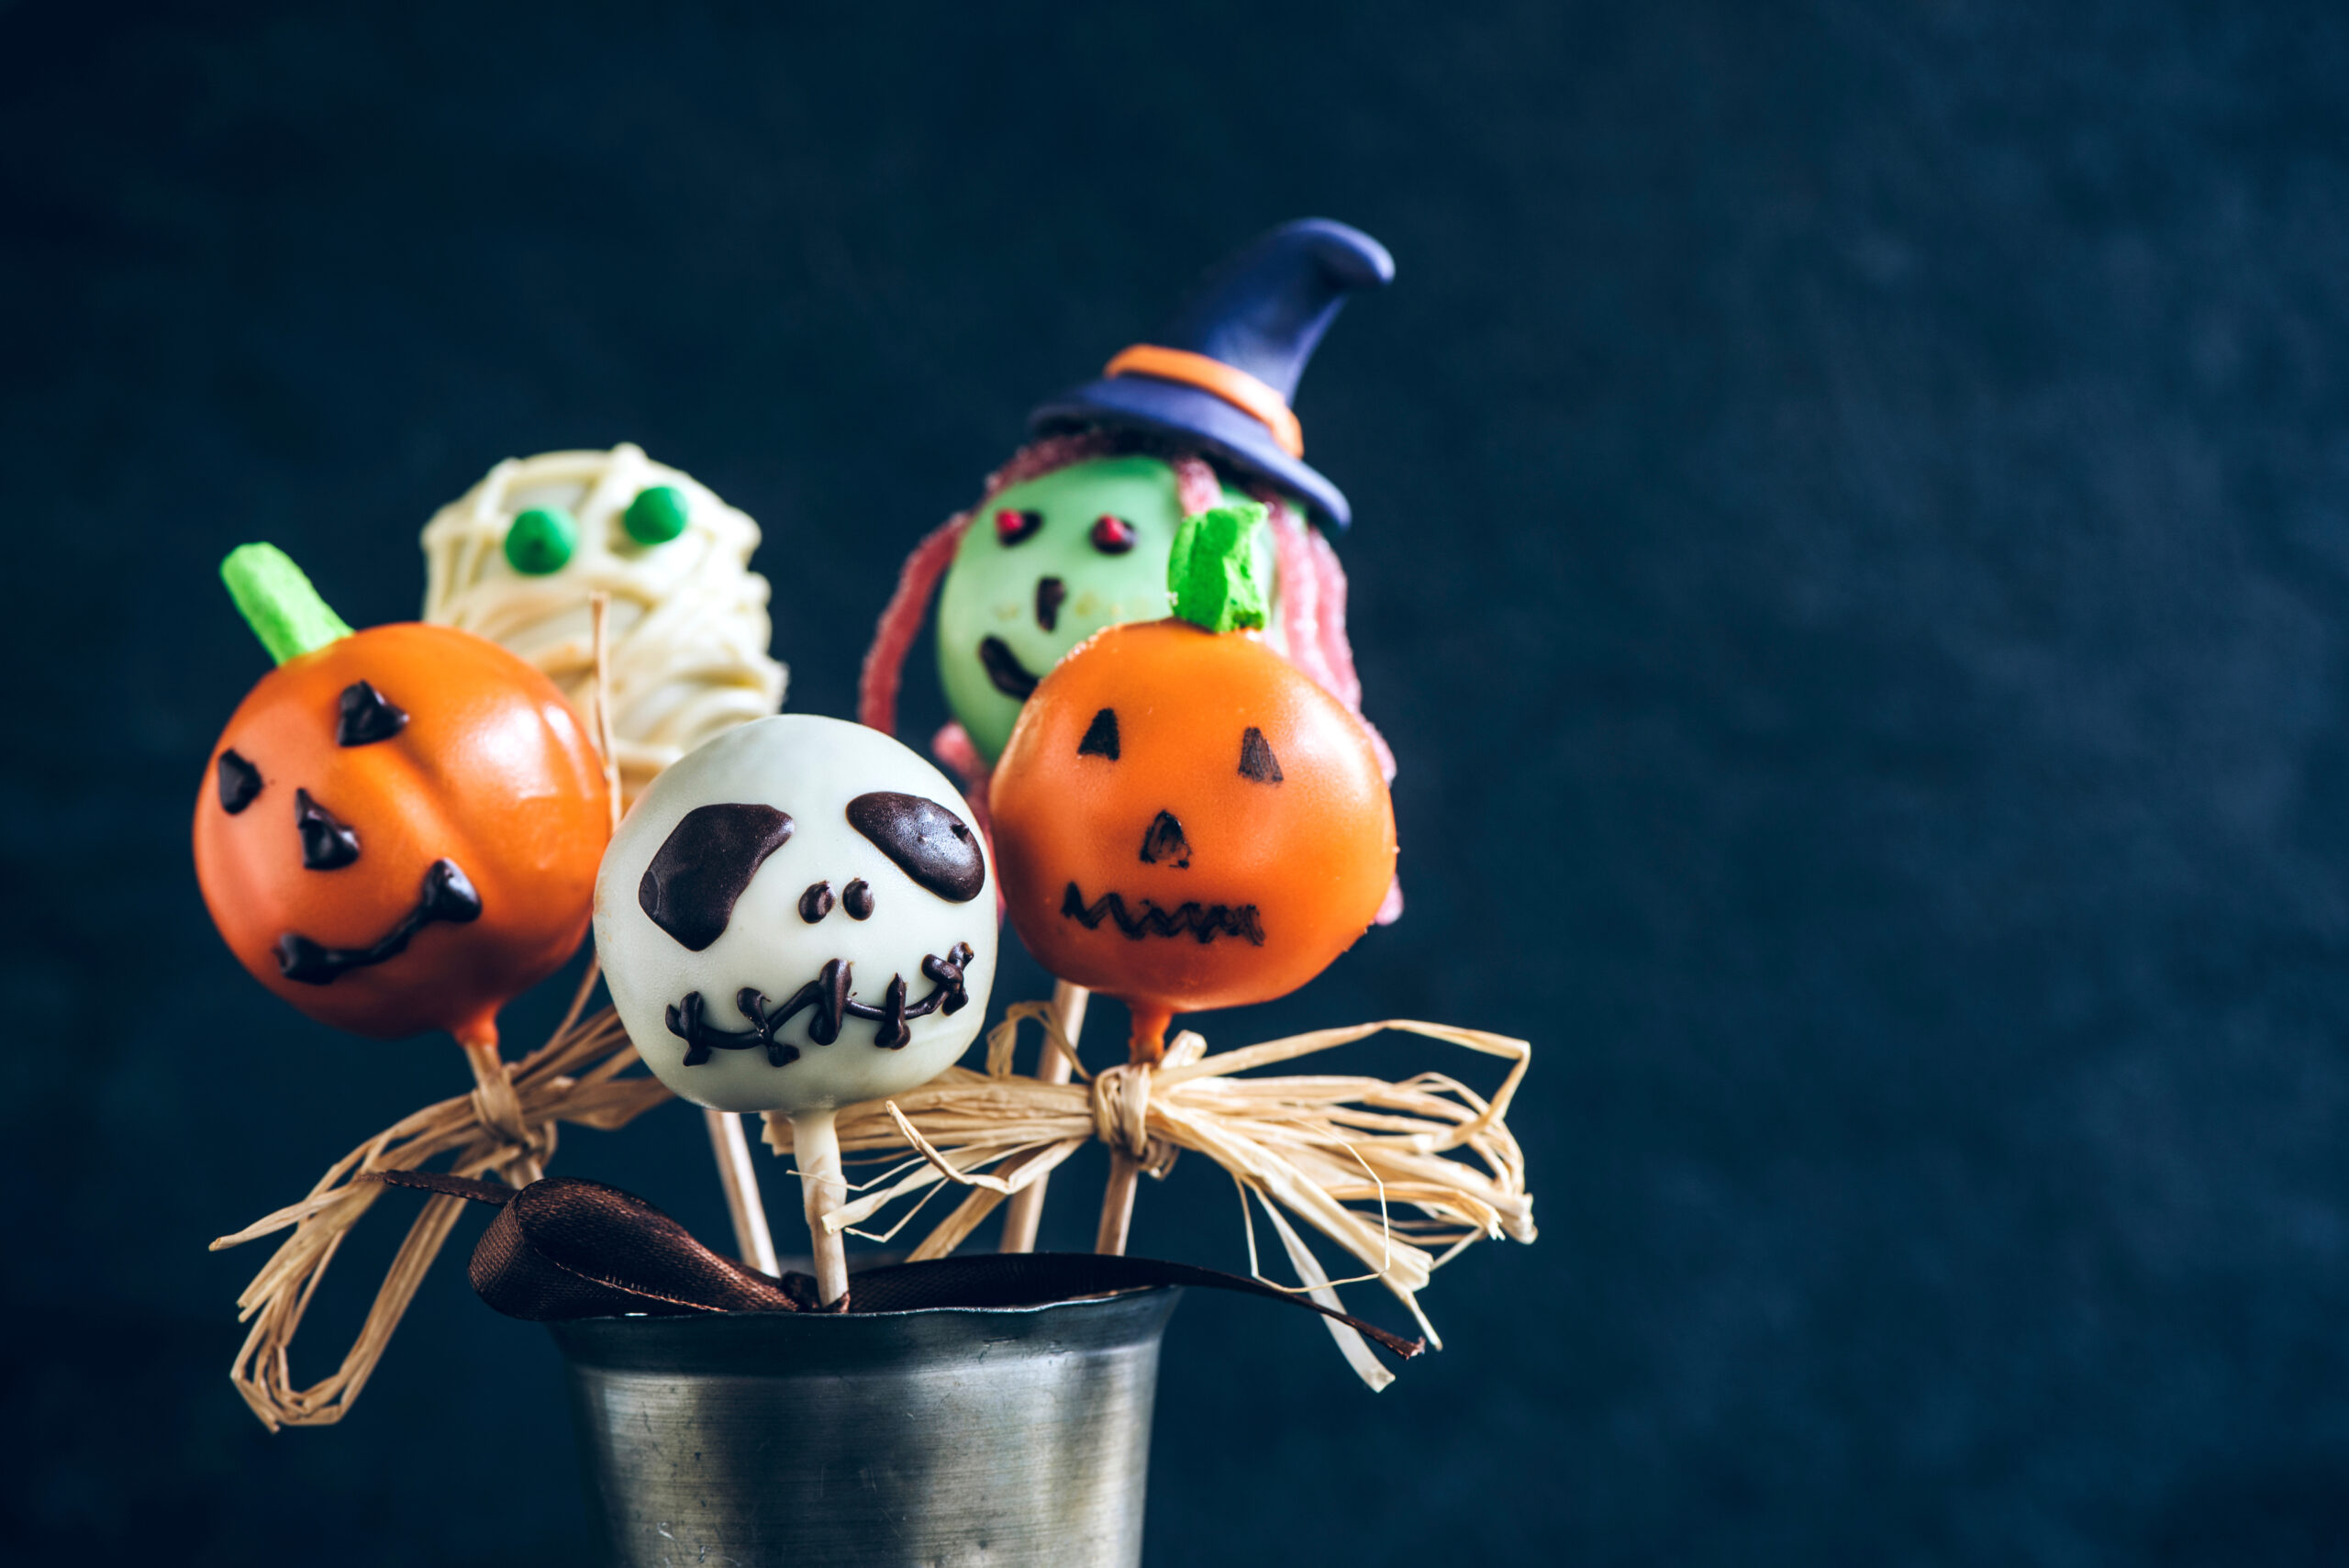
<point>1311,590</point>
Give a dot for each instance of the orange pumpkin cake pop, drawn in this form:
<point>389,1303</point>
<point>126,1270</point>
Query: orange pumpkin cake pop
<point>1183,819</point>
<point>400,826</point>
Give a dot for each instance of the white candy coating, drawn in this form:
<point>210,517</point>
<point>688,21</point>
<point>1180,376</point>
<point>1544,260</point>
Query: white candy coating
<point>689,623</point>
<point>810,768</point>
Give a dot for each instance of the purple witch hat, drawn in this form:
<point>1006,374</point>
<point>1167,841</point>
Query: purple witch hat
<point>1220,373</point>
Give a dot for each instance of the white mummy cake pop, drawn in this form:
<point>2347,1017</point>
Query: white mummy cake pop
<point>797,917</point>
<point>514,559</point>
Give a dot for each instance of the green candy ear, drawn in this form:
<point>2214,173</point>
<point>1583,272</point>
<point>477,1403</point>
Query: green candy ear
<point>1211,573</point>
<point>278,602</point>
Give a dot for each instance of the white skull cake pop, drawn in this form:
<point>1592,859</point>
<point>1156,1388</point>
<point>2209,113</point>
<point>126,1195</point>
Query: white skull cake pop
<point>796,916</point>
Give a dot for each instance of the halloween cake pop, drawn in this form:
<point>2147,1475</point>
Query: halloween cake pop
<point>1072,535</point>
<point>796,917</point>
<point>399,827</point>
<point>1183,820</point>
<point>517,557</point>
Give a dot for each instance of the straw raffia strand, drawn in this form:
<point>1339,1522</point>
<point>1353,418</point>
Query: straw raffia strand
<point>573,1078</point>
<point>1402,1176</point>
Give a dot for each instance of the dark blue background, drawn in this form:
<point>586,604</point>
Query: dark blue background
<point>1853,531</point>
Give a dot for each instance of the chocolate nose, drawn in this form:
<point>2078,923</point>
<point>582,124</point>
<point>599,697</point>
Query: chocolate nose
<point>1050,593</point>
<point>1165,841</point>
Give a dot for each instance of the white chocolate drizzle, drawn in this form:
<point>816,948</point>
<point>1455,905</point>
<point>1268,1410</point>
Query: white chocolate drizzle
<point>688,620</point>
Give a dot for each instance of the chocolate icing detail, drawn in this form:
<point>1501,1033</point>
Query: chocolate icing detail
<point>925,840</point>
<point>857,899</point>
<point>446,895</point>
<point>1004,669</point>
<point>1050,594</point>
<point>1016,526</point>
<point>1163,842</point>
<point>1112,535</point>
<point>1100,736</point>
<point>703,866</point>
<point>366,716</point>
<point>328,843</point>
<point>1203,921</point>
<point>239,783</point>
<point>1256,758</point>
<point>828,994</point>
<point>817,902</point>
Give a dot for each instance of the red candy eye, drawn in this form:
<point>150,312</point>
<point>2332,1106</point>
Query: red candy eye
<point>1112,535</point>
<point>1017,528</point>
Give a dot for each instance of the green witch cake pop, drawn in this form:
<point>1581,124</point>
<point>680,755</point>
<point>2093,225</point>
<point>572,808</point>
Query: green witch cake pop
<point>1072,535</point>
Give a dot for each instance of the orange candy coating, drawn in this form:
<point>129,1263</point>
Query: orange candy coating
<point>1302,860</point>
<point>493,770</point>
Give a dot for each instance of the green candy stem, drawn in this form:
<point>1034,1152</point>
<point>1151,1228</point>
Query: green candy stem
<point>278,602</point>
<point>1211,572</point>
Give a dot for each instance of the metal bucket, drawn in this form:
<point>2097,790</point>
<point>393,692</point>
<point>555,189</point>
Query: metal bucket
<point>945,1437</point>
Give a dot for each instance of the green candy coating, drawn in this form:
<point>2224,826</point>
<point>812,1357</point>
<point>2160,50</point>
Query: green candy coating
<point>656,516</point>
<point>541,540</point>
<point>278,602</point>
<point>991,590</point>
<point>1211,569</point>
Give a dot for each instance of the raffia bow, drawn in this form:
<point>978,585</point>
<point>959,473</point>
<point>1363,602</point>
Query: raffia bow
<point>1343,1153</point>
<point>504,1127</point>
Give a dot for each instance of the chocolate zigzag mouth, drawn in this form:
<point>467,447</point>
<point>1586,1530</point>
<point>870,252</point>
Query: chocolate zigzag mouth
<point>1203,921</point>
<point>1003,668</point>
<point>828,994</point>
<point>446,895</point>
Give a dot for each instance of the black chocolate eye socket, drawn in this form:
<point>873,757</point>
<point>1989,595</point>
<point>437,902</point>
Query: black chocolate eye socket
<point>1100,736</point>
<point>817,902</point>
<point>924,839</point>
<point>239,783</point>
<point>703,866</point>
<point>1016,527</point>
<point>857,899</point>
<point>1256,758</point>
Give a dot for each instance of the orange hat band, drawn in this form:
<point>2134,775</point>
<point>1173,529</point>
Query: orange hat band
<point>1231,383</point>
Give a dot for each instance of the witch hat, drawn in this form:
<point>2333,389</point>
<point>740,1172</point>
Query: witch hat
<point>1220,373</point>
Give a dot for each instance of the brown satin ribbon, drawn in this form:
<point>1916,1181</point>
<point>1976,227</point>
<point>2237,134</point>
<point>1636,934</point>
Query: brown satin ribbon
<point>566,1248</point>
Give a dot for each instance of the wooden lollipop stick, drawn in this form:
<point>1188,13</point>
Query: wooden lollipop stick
<point>1027,1209</point>
<point>753,1242</point>
<point>1146,1043</point>
<point>817,1145</point>
<point>1117,1204</point>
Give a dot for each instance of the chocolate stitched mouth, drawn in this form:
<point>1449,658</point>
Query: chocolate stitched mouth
<point>828,994</point>
<point>446,895</point>
<point>1003,668</point>
<point>1204,922</point>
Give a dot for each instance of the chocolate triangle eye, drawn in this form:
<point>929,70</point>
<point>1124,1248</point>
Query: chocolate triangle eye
<point>1100,736</point>
<point>923,838</point>
<point>239,783</point>
<point>1256,758</point>
<point>703,866</point>
<point>367,717</point>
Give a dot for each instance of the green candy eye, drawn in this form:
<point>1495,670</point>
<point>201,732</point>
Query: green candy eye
<point>656,516</point>
<point>541,540</point>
